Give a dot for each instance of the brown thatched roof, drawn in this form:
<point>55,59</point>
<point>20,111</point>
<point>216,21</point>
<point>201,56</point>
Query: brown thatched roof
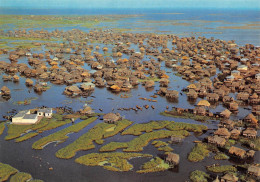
<point>250,131</point>
<point>235,132</point>
<point>203,103</point>
<point>222,132</point>
<point>254,170</point>
<point>173,158</point>
<point>191,86</point>
<point>230,177</point>
<point>252,118</point>
<point>226,113</point>
<point>216,140</point>
<point>111,117</point>
<point>237,151</point>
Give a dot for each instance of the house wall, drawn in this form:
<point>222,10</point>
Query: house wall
<point>48,115</point>
<point>17,120</point>
<point>28,121</point>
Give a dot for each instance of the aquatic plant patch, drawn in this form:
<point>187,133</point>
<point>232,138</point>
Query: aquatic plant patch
<point>186,115</point>
<point>137,144</point>
<point>221,156</point>
<point>97,133</point>
<point>186,126</point>
<point>26,137</point>
<point>2,127</point>
<point>21,177</point>
<point>137,129</point>
<point>250,142</point>
<point>154,165</point>
<point>198,153</point>
<point>61,135</point>
<point>6,171</point>
<point>15,131</point>
<point>110,161</point>
<point>199,176</point>
<point>221,169</point>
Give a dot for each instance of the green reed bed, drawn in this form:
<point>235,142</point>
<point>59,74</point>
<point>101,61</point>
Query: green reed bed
<point>6,171</point>
<point>61,135</point>
<point>2,127</point>
<point>199,176</point>
<point>97,133</point>
<point>137,129</point>
<point>110,161</point>
<point>15,131</point>
<point>198,153</point>
<point>154,165</point>
<point>221,156</point>
<point>222,168</point>
<point>21,177</point>
<point>137,144</point>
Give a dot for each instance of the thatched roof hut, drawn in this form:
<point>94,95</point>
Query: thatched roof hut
<point>241,153</point>
<point>5,91</point>
<point>227,123</point>
<point>219,141</point>
<point>222,132</point>
<point>225,114</point>
<point>172,158</point>
<point>254,170</point>
<point>173,94</point>
<point>229,178</point>
<point>111,117</point>
<point>250,133</point>
<point>250,118</point>
<point>203,103</point>
<point>235,133</point>
<point>199,110</point>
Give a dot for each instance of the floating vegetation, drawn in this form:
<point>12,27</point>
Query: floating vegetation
<point>2,127</point>
<point>165,149</point>
<point>21,177</point>
<point>253,143</point>
<point>198,153</point>
<point>158,143</point>
<point>137,144</point>
<point>221,156</point>
<point>155,79</point>
<point>15,131</point>
<point>186,115</point>
<point>61,135</point>
<point>162,146</point>
<point>110,161</point>
<point>229,143</point>
<point>154,165</point>
<point>26,137</point>
<point>137,129</point>
<point>199,176</point>
<point>26,101</point>
<point>97,133</point>
<point>6,171</point>
<point>221,169</point>
<point>186,126</point>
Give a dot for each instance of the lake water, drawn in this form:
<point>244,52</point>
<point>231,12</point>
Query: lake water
<point>187,23</point>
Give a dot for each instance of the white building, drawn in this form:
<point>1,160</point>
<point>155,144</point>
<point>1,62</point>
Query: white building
<point>25,117</point>
<point>46,112</point>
